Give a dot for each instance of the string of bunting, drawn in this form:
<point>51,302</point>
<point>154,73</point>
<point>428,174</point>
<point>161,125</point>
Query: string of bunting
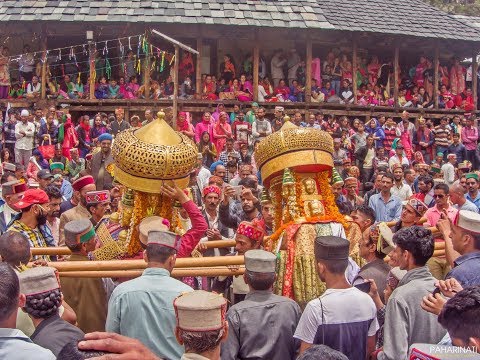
<point>143,46</point>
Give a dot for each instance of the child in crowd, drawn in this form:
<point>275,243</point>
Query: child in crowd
<point>101,92</point>
<point>114,90</point>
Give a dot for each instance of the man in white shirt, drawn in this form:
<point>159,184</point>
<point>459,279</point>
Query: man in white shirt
<point>400,189</point>
<point>399,157</point>
<point>261,127</point>
<point>448,169</point>
<point>24,133</point>
<point>343,318</point>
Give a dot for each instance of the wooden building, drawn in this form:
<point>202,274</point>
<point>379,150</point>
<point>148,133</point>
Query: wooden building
<point>394,30</point>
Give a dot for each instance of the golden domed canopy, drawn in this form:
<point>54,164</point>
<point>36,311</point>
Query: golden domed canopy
<point>304,149</point>
<point>145,158</point>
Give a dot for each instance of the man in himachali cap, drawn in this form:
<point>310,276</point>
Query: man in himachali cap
<point>258,311</point>
<point>87,296</point>
<point>465,235</point>
<point>201,324</point>
<point>43,300</point>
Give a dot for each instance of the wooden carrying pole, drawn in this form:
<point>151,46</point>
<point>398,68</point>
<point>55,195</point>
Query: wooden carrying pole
<point>63,250</point>
<point>64,266</point>
<point>208,271</point>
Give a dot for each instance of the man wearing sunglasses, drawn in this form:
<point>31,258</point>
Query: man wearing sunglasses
<point>438,266</point>
<point>34,208</point>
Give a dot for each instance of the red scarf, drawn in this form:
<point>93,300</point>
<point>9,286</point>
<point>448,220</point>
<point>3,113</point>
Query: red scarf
<point>87,131</point>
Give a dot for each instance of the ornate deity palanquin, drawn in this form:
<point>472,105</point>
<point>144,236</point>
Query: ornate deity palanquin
<point>144,160</point>
<point>296,165</point>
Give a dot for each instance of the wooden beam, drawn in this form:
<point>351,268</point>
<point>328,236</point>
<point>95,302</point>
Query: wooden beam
<point>175,42</point>
<point>198,67</point>
<point>256,62</point>
<point>43,90</point>
<point>175,86</point>
<point>308,72</point>
<point>475,80</point>
<point>436,63</point>
<point>354,69</point>
<point>396,67</point>
<point>91,48</point>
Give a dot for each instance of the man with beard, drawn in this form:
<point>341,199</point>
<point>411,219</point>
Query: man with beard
<point>101,162</point>
<point>44,178</point>
<point>81,187</point>
<point>230,215</point>
<point>261,127</point>
<point>472,182</point>
<point>425,190</point>
<point>249,236</point>
<point>400,189</point>
<point>216,230</point>
<point>387,207</point>
<point>33,206</point>
<point>12,192</point>
<point>412,212</point>
<point>53,214</point>
<point>58,156</point>
<point>267,212</point>
<point>98,205</point>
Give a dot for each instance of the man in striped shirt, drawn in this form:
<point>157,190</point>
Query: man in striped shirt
<point>443,137</point>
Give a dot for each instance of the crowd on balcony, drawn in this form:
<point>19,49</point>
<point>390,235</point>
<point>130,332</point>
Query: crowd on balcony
<point>282,79</point>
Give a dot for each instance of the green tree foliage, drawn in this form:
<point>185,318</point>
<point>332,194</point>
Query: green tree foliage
<point>464,7</point>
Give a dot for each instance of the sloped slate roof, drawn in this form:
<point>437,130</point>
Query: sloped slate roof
<point>469,20</point>
<point>281,13</point>
<point>403,17</point>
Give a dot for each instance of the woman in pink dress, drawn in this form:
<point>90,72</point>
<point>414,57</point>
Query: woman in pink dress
<point>70,139</point>
<point>245,90</point>
<point>202,126</point>
<point>221,131</point>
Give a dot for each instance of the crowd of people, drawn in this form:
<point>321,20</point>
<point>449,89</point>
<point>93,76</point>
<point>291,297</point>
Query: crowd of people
<point>416,180</point>
<point>283,80</point>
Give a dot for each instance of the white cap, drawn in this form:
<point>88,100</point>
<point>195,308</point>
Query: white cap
<point>25,112</point>
<point>468,220</point>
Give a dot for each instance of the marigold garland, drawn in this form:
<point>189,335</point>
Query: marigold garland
<point>331,210</point>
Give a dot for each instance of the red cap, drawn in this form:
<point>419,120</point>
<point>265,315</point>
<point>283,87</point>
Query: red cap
<point>82,182</point>
<point>32,196</point>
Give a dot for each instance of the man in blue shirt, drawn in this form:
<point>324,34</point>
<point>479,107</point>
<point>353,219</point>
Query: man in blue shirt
<point>142,308</point>
<point>14,344</point>
<point>387,207</point>
<point>465,240</point>
<point>472,187</point>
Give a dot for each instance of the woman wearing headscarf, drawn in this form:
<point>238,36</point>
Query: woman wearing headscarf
<point>67,136</point>
<point>36,163</point>
<point>373,127</point>
<point>221,131</point>
<point>184,126</point>
<point>204,126</point>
